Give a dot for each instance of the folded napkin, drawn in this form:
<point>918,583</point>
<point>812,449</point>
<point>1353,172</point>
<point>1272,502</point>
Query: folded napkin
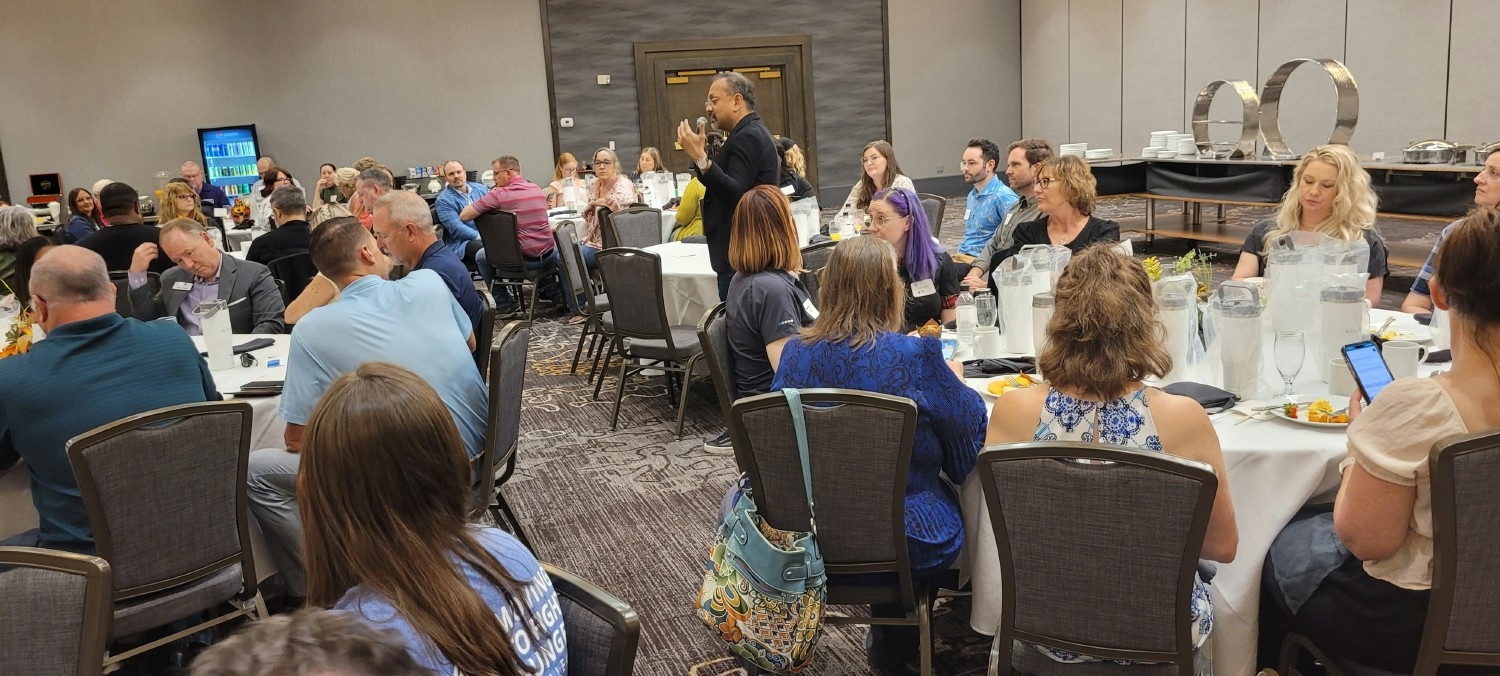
<point>979,368</point>
<point>694,239</point>
<point>1439,356</point>
<point>1212,399</point>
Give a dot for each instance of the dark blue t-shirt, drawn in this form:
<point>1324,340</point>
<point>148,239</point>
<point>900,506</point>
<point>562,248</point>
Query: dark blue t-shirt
<point>83,375</point>
<point>439,259</point>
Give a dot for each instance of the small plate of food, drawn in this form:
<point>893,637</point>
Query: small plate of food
<point>1409,331</point>
<point>993,387</point>
<point>1329,411</point>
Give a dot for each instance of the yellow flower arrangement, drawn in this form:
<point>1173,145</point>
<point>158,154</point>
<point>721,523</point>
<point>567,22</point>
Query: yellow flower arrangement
<point>18,336</point>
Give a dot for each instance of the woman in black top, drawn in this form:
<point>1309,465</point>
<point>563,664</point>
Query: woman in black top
<point>1065,191</point>
<point>793,169</point>
<point>766,303</point>
<point>931,277</point>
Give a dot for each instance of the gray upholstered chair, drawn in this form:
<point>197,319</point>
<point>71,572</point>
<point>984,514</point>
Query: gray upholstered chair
<point>484,334</point>
<point>596,304</point>
<point>507,378</point>
<point>502,249</point>
<point>602,630</point>
<point>862,443</point>
<point>1465,597</point>
<point>935,206</point>
<point>713,335</point>
<point>1117,584</point>
<point>55,608</point>
<point>121,279</point>
<point>635,227</point>
<point>165,495</point>
<point>641,332</point>
<point>814,259</point>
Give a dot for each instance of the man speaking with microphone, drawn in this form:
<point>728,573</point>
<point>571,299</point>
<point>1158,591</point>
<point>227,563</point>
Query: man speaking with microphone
<point>747,159</point>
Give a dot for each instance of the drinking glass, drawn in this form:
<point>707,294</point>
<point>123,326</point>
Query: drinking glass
<point>984,307</point>
<point>1289,351</point>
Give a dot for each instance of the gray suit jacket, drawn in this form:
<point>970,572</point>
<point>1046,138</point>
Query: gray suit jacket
<point>261,312</point>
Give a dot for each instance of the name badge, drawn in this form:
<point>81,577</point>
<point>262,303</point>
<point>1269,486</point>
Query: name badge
<point>1008,215</point>
<point>966,214</point>
<point>787,189</point>
<point>182,286</point>
<point>923,288</point>
<point>807,306</point>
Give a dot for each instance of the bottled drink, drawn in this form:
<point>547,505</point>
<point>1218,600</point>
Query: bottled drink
<point>968,317</point>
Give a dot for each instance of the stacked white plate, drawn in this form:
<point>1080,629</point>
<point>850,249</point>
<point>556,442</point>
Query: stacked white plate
<point>1149,152</point>
<point>1159,138</point>
<point>1098,154</point>
<point>1165,154</point>
<point>1075,149</point>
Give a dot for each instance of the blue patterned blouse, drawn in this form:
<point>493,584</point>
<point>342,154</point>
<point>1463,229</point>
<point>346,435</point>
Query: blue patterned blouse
<point>950,425</point>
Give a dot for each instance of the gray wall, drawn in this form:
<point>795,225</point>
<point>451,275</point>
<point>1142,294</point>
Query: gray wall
<point>595,37</point>
<point>408,83</point>
<point>1097,73</point>
<point>955,75</point>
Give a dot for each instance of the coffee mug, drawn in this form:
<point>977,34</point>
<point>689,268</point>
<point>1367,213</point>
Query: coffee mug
<point>1403,356</point>
<point>987,342</point>
<point>1340,380</point>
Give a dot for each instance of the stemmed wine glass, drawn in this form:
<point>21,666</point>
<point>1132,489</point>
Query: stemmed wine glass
<point>1291,347</point>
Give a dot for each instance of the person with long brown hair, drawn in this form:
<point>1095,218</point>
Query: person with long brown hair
<point>854,343</point>
<point>1369,605</point>
<point>84,217</point>
<point>260,202</point>
<point>1103,341</point>
<point>878,171</point>
<point>383,493</point>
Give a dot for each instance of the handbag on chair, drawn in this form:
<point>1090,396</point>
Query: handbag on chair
<point>764,588</point>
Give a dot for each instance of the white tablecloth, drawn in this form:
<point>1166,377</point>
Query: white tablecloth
<point>1274,466</point>
<point>17,513</point>
<point>668,222</point>
<point>689,284</point>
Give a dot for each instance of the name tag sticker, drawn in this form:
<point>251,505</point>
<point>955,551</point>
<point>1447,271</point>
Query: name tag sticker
<point>182,286</point>
<point>1008,215</point>
<point>923,288</point>
<point>966,214</point>
<point>807,307</point>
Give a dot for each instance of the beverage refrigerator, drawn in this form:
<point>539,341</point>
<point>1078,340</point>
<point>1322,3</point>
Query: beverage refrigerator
<point>229,155</point>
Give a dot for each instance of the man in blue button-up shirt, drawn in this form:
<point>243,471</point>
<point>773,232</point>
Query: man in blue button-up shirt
<point>461,237</point>
<point>987,203</point>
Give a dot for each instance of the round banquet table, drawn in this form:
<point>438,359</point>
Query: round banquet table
<point>1275,467</point>
<point>690,287</point>
<point>17,513</point>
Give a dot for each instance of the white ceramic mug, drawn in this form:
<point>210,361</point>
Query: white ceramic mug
<point>1403,356</point>
<point>1340,380</point>
<point>987,342</point>
<point>1260,284</point>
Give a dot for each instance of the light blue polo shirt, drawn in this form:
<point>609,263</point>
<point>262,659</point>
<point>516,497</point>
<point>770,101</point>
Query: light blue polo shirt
<point>413,323</point>
<point>984,212</point>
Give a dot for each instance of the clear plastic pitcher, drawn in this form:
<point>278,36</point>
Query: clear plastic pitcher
<point>218,337</point>
<point>1176,304</point>
<point>1236,345</point>
<point>1015,283</point>
<point>1042,305</point>
<point>1344,318</point>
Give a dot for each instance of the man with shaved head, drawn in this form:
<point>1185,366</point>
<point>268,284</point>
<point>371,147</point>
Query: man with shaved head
<point>93,368</point>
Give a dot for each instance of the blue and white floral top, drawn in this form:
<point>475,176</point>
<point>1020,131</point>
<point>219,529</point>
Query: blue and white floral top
<point>1123,422</point>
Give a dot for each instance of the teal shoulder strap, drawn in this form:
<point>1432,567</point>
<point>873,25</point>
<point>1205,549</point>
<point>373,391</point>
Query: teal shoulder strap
<point>794,402</point>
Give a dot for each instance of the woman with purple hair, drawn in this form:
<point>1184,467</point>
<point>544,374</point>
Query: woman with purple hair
<point>931,277</point>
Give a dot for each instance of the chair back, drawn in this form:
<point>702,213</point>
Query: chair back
<point>632,278</point>
<point>121,281</point>
<point>602,630</point>
<point>859,445</point>
<point>1465,544</point>
<point>165,495</point>
<point>55,607</point>
<point>502,244</point>
<point>635,227</point>
<point>507,380</point>
<point>296,270</point>
<point>565,237</point>
<point>713,336</point>
<point>814,259</point>
<point>935,206</point>
<point>1117,584</point>
<point>484,334</point>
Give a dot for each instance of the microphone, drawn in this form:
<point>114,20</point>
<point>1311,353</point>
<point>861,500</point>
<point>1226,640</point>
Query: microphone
<point>702,123</point>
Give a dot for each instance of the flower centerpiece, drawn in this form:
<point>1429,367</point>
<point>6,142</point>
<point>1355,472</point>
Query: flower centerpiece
<point>1195,262</point>
<point>18,336</point>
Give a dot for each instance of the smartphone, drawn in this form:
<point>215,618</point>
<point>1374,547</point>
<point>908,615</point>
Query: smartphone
<point>1368,367</point>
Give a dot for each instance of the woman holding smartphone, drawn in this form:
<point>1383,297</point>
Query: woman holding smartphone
<point>1356,581</point>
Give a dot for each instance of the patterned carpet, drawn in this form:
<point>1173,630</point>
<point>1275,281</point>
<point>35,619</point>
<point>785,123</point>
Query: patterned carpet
<point>633,509</point>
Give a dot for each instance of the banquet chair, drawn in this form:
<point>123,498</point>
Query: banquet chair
<point>632,278</point>
<point>296,271</point>
<point>165,495</point>
<point>603,631</point>
<point>506,382</point>
<point>484,334</point>
<point>121,280</point>
<point>502,246</point>
<point>1465,597</point>
<point>55,608</point>
<point>713,335</point>
<point>1116,585</point>
<point>863,446</point>
<point>935,206</point>
<point>596,305</point>
<point>636,227</point>
<point>814,259</point>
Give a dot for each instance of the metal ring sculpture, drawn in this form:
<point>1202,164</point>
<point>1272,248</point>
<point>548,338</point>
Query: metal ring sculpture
<point>1345,114</point>
<point>1249,126</point>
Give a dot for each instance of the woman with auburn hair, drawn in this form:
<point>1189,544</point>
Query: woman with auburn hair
<point>1331,195</point>
<point>766,304</point>
<point>930,278</point>
<point>855,343</point>
<point>1103,341</point>
<point>179,200</point>
<point>567,167</point>
<point>879,170</point>
<point>383,492</point>
<point>1065,191</point>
